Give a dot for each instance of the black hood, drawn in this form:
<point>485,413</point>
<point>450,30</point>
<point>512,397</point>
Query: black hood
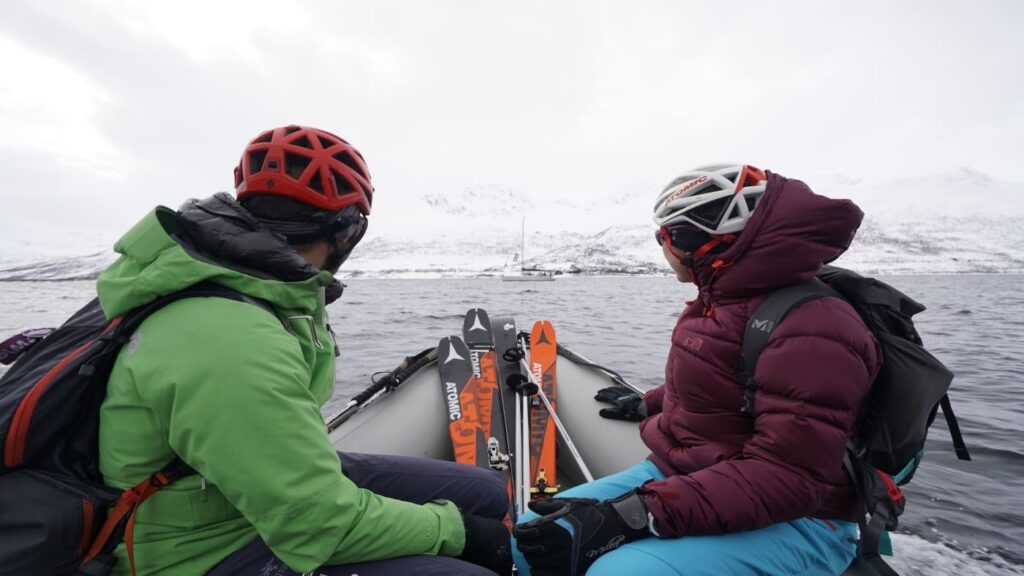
<point>218,228</point>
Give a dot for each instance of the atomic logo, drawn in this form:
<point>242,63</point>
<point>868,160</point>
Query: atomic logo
<point>453,354</point>
<point>686,188</point>
<point>451,394</point>
<point>476,323</point>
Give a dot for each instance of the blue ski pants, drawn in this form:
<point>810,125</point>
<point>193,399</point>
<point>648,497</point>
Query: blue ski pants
<point>806,546</point>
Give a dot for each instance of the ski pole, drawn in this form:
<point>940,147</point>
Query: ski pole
<point>582,361</point>
<point>558,423</point>
<point>390,381</point>
<point>565,435</point>
<point>522,456</point>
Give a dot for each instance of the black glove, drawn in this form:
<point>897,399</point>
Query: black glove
<point>488,543</point>
<point>573,532</point>
<point>629,405</point>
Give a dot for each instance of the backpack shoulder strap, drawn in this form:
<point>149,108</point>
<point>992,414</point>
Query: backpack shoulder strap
<point>954,429</point>
<point>120,523</point>
<point>764,321</point>
<point>201,290</point>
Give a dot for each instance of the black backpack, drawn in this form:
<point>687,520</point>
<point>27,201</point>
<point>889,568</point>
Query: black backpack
<point>55,512</point>
<point>888,439</point>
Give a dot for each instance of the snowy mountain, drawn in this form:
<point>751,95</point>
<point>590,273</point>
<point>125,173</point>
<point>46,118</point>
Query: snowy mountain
<point>963,222</point>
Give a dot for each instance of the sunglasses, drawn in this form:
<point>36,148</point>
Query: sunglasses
<point>662,235</point>
<point>345,239</point>
<point>687,237</point>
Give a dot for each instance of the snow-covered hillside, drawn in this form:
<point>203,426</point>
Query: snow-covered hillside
<point>962,222</point>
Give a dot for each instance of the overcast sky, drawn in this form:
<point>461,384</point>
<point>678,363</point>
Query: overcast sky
<point>109,107</point>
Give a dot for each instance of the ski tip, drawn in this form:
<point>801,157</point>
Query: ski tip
<point>476,321</point>
<point>451,348</point>
<point>543,332</point>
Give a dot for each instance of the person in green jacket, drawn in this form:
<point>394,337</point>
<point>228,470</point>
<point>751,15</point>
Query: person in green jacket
<point>234,388</point>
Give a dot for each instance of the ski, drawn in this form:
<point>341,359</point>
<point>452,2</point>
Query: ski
<point>543,434</point>
<point>458,387</point>
<point>476,331</point>
<point>506,345</point>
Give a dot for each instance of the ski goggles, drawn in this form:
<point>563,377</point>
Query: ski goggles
<point>686,237</point>
<point>690,239</point>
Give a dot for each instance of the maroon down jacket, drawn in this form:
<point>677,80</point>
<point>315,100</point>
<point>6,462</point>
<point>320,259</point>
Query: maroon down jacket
<point>728,471</point>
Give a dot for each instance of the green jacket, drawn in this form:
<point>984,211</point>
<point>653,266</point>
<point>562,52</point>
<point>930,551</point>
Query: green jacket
<point>236,391</point>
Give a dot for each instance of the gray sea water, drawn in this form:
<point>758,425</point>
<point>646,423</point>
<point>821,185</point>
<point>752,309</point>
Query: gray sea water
<point>962,517</point>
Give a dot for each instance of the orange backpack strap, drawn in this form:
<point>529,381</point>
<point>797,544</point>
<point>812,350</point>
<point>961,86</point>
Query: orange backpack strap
<point>121,520</point>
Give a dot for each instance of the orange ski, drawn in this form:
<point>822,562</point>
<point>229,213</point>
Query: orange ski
<point>543,434</point>
<point>458,387</point>
<point>477,332</point>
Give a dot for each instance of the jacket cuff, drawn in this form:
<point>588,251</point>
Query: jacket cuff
<point>448,516</point>
<point>653,399</point>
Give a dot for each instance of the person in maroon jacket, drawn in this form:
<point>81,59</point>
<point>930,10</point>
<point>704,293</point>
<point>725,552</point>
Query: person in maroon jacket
<point>724,491</point>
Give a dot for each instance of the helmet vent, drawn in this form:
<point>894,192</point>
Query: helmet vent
<point>342,183</point>
<point>304,142</point>
<point>707,189</point>
<point>325,143</point>
<point>265,137</point>
<point>347,159</point>
<point>316,184</point>
<point>752,202</point>
<point>256,159</point>
<point>291,130</point>
<point>295,165</point>
<point>709,213</point>
<point>735,212</point>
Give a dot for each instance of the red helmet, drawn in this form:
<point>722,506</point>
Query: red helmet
<point>305,164</point>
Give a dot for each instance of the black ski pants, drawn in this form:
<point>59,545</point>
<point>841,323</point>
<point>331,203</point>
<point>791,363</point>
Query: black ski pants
<point>475,490</point>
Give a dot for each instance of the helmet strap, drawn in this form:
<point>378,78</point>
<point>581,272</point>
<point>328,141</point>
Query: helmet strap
<point>715,242</point>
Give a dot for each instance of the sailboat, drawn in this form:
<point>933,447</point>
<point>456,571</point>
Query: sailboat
<point>516,270</point>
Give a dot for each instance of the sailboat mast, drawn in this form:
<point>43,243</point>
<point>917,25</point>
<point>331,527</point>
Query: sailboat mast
<point>522,246</point>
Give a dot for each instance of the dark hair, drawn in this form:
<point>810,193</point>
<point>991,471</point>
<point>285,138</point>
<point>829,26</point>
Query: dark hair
<point>272,207</point>
<point>301,223</point>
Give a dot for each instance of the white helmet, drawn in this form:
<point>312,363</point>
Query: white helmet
<point>717,199</point>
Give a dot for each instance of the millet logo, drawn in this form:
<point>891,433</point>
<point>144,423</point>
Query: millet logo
<point>762,325</point>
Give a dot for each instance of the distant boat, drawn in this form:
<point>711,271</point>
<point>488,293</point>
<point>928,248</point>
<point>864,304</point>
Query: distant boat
<point>516,270</point>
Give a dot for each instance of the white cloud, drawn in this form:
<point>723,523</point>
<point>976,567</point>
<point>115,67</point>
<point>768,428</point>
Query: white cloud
<point>49,106</point>
<point>140,102</point>
<point>205,29</point>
